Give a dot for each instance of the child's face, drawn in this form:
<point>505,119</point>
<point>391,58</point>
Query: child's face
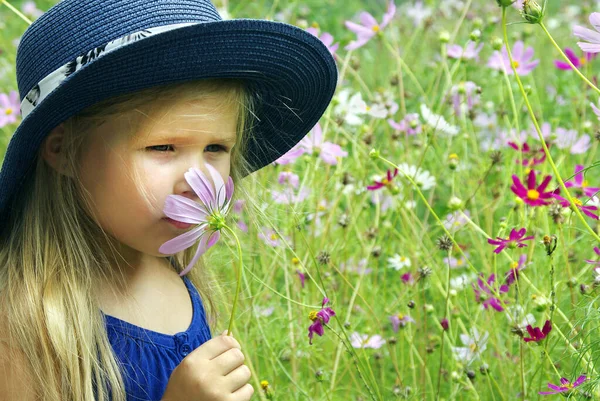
<point>162,150</point>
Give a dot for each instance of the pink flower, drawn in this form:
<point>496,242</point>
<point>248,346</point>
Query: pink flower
<point>288,196</point>
<point>400,320</point>
<point>326,38</point>
<point>270,237</point>
<point>589,35</point>
<point>532,195</point>
<point>288,177</point>
<point>409,124</point>
<point>565,385</point>
<point>513,274</point>
<point>515,239</point>
<point>313,144</point>
<point>578,62</point>
<point>319,318</point>
<point>209,215</point>
<point>470,52</point>
<point>580,184</point>
<point>10,108</point>
<point>529,155</point>
<point>484,294</point>
<point>369,27</point>
<point>588,210</point>
<point>536,334</point>
<point>407,278</point>
<point>595,262</point>
<point>521,58</point>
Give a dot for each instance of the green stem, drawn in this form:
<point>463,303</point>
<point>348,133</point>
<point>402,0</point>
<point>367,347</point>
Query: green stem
<point>539,132</point>
<point>20,14</point>
<point>239,279</point>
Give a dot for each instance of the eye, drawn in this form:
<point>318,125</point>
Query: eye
<point>159,148</point>
<point>219,148</point>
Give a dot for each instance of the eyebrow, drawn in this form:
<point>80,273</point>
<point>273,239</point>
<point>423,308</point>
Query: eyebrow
<point>178,138</point>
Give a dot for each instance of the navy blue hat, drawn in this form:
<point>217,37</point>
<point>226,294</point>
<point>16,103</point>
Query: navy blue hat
<point>81,52</point>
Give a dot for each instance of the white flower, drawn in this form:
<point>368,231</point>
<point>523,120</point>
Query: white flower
<point>515,313</point>
<point>398,262</point>
<point>437,122</point>
<point>350,107</point>
<point>474,346</point>
<point>364,341</point>
<point>422,178</point>
<point>460,282</point>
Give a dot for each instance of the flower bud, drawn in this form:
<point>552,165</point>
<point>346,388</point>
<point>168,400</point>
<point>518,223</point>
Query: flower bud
<point>444,37</point>
<point>453,161</point>
<point>504,3</point>
<point>497,43</point>
<point>455,203</point>
<point>374,154</point>
<point>532,12</point>
<point>477,22</point>
<point>475,35</point>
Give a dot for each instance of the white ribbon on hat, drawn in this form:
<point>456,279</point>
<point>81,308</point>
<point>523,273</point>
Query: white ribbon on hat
<point>53,80</point>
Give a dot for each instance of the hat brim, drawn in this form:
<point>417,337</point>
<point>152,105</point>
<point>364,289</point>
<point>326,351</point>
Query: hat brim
<point>293,74</point>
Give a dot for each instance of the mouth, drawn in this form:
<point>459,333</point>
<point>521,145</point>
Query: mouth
<point>177,224</point>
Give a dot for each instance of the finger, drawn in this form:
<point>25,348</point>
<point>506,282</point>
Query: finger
<point>224,333</point>
<point>238,377</point>
<point>215,347</point>
<point>245,393</point>
<point>228,361</point>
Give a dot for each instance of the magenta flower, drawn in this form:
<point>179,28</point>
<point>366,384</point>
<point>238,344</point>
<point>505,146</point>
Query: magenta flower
<point>565,385</point>
<point>513,274</point>
<point>595,262</point>
<point>470,52</point>
<point>593,37</point>
<point>209,215</point>
<point>529,154</point>
<point>484,295</point>
<point>400,320</point>
<point>407,278</point>
<point>369,27</point>
<point>588,210</point>
<point>326,38</point>
<point>515,240</point>
<point>385,182</point>
<point>536,334</point>
<point>532,195</point>
<point>521,59</point>
<point>319,318</point>
<point>578,62</point>
<point>580,184</point>
<point>301,276</point>
<point>10,108</point>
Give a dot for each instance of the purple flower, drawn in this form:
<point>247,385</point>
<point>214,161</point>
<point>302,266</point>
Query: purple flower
<point>588,210</point>
<point>578,62</point>
<point>407,278</point>
<point>521,59</point>
<point>513,274</point>
<point>10,108</point>
<point>470,52</point>
<point>385,182</point>
<point>319,318</point>
<point>270,237</point>
<point>514,240</point>
<point>464,97</point>
<point>409,124</point>
<point>445,324</point>
<point>369,27</point>
<point>565,385</point>
<point>400,320</point>
<point>536,334</point>
<point>326,38</point>
<point>313,144</point>
<point>532,195</point>
<point>483,294</point>
<point>209,215</point>
<point>288,177</point>
<point>589,35</point>
<point>288,196</point>
<point>595,262</point>
<point>529,155</point>
<point>301,276</point>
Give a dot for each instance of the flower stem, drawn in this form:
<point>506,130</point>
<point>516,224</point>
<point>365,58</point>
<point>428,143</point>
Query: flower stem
<point>587,81</point>
<point>539,132</point>
<point>239,278</point>
<point>13,9</point>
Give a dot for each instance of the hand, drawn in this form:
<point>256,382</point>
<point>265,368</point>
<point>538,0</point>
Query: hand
<point>214,371</point>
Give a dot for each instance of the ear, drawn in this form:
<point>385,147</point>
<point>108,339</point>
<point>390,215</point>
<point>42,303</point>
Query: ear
<point>52,150</point>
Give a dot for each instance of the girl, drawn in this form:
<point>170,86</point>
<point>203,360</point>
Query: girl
<point>119,99</point>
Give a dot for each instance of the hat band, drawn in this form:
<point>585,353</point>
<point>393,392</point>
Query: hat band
<point>53,80</point>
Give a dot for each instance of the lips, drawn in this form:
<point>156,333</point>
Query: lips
<point>178,224</point>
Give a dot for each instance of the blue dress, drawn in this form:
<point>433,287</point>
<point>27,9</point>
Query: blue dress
<point>149,357</point>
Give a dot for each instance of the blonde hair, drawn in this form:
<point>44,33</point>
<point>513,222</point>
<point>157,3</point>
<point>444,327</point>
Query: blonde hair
<point>53,255</point>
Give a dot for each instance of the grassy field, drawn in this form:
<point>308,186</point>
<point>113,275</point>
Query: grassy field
<point>424,306</point>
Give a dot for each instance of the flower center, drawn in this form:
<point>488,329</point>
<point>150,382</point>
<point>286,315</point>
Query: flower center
<point>8,111</point>
<point>473,347</point>
<point>582,60</point>
<point>585,183</point>
<point>515,64</point>
<point>264,384</point>
<point>216,221</point>
<point>273,236</point>
<point>577,202</point>
<point>295,260</point>
<point>375,28</point>
<point>532,194</point>
<point>385,181</point>
<point>313,315</point>
<point>514,265</point>
<point>400,316</point>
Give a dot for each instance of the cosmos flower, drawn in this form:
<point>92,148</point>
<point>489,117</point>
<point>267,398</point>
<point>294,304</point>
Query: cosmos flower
<point>595,262</point>
<point>400,320</point>
<point>369,27</point>
<point>470,52</point>
<point>532,195</point>
<point>319,318</point>
<point>475,344</point>
<point>484,295</point>
<point>580,184</point>
<point>409,124</point>
<point>398,262</point>
<point>385,182</point>
<point>529,154</point>
<point>521,59</point>
<point>578,62</point>
<point>586,209</point>
<point>588,35</point>
<point>513,274</point>
<point>326,38</point>
<point>536,334</point>
<point>437,122</point>
<point>364,341</point>
<point>209,215</point>
<point>565,385</point>
<point>514,240</point>
<point>10,108</point>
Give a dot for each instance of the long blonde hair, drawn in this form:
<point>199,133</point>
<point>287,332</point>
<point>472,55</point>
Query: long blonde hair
<point>53,254</point>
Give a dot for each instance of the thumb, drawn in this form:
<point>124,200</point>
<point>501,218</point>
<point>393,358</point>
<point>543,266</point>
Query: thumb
<point>224,333</point>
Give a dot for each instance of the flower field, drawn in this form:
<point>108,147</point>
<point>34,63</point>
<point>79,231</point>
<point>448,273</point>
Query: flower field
<point>436,235</point>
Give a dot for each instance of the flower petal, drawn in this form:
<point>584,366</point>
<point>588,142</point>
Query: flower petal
<point>182,241</point>
<point>183,209</point>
